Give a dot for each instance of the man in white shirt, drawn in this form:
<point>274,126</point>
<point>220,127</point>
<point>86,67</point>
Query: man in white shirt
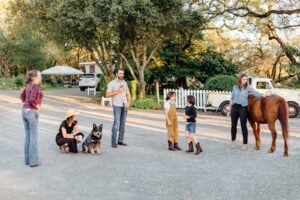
<point>121,98</point>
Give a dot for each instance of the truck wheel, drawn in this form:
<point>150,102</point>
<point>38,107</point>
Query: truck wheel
<point>82,88</point>
<point>224,107</point>
<point>293,109</point>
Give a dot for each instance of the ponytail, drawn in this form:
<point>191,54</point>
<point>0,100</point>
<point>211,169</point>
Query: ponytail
<point>30,75</point>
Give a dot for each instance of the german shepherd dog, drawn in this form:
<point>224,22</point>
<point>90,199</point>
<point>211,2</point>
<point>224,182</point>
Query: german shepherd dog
<point>93,141</point>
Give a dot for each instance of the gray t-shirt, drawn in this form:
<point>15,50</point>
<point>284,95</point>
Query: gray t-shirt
<point>121,98</point>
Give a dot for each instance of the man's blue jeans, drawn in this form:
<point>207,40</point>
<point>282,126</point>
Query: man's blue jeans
<point>120,115</point>
<point>30,120</point>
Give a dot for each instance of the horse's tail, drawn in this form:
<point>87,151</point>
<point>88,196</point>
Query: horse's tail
<point>284,117</point>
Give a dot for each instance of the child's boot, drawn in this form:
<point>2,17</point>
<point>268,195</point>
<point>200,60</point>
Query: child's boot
<point>171,148</point>
<point>176,146</point>
<point>191,148</point>
<point>198,149</point>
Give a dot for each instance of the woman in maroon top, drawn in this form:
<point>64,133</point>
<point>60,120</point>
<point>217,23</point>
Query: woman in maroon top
<point>31,97</point>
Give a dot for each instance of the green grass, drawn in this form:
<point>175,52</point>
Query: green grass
<point>148,103</point>
<point>46,86</point>
<point>15,83</point>
<point>8,83</point>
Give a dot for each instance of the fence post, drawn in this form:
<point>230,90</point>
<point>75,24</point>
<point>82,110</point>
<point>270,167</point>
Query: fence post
<point>165,95</point>
<point>204,96</point>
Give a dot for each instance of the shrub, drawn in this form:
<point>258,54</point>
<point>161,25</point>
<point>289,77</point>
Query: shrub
<point>147,104</point>
<point>290,85</point>
<point>7,83</point>
<point>220,82</point>
<point>102,86</point>
<point>134,85</point>
<point>60,82</point>
<point>48,80</point>
<point>19,81</point>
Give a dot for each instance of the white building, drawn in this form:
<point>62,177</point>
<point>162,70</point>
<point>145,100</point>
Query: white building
<point>90,67</point>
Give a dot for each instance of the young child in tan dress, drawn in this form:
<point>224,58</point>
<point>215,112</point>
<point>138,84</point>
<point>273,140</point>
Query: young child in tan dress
<point>171,121</point>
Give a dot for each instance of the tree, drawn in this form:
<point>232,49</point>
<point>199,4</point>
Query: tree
<point>89,24</point>
<point>29,53</point>
<point>213,63</point>
<point>270,20</point>
<point>144,25</point>
<point>34,16</point>
<point>116,31</point>
<point>7,49</point>
<point>173,63</point>
<point>22,51</point>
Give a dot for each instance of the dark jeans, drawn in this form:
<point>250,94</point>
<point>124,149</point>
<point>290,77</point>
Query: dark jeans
<point>72,143</point>
<point>241,112</point>
<point>120,115</point>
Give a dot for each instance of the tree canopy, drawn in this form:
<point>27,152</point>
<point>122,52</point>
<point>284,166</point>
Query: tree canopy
<point>156,40</point>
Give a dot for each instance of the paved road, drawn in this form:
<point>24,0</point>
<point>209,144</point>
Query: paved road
<point>145,169</point>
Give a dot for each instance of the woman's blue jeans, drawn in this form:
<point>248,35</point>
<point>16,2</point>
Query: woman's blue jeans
<point>30,120</point>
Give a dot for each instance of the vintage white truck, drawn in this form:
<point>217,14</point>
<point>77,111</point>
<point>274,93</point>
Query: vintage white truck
<point>220,101</point>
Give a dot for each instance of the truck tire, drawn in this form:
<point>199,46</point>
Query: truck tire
<point>224,107</point>
<point>82,88</point>
<point>293,109</point>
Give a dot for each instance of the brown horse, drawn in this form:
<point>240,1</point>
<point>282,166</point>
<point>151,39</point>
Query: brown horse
<point>267,110</point>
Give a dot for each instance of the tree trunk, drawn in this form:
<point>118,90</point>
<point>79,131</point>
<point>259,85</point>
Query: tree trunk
<point>280,69</point>
<point>157,92</point>
<point>274,69</point>
<point>142,85</point>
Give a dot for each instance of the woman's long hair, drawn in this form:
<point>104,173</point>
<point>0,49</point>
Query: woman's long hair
<point>239,81</point>
<point>30,75</point>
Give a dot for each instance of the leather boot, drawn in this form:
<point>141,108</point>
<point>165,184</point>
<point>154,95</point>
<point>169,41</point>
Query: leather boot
<point>191,148</point>
<point>176,146</point>
<point>171,148</point>
<point>198,149</point>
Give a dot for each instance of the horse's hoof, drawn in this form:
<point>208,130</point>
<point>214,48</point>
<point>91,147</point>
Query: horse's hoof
<point>271,151</point>
<point>257,148</point>
<point>285,154</point>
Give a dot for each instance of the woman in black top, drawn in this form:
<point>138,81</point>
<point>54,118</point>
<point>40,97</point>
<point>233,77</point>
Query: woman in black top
<point>69,135</point>
<point>190,128</point>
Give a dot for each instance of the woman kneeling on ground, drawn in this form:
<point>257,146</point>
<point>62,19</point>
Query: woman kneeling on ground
<point>69,135</point>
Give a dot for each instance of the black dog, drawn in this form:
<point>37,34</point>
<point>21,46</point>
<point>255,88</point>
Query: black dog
<point>93,141</point>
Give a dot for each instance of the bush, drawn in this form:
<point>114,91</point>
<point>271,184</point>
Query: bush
<point>7,83</point>
<point>50,86</point>
<point>220,82</point>
<point>134,85</point>
<point>19,81</point>
<point>48,80</point>
<point>147,104</point>
<point>289,84</point>
<point>102,87</point>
